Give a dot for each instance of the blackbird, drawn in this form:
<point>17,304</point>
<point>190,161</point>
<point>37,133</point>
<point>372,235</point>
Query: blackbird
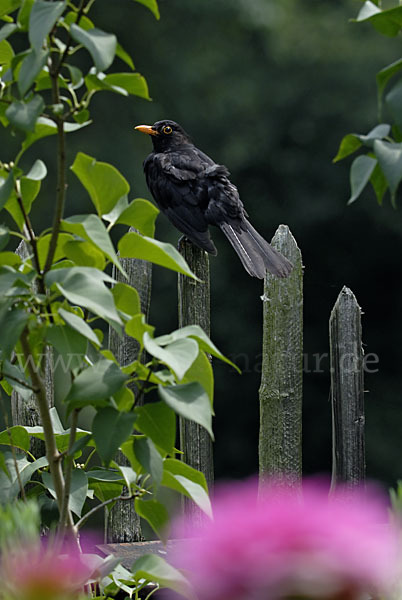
<point>195,192</point>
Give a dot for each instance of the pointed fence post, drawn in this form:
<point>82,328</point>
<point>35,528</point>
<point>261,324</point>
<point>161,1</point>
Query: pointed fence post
<point>347,391</point>
<point>122,522</point>
<point>280,439</point>
<point>194,309</point>
<point>24,410</point>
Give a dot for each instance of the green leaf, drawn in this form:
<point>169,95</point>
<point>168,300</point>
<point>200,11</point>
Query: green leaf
<point>393,101</point>
<point>349,144</point>
<point>149,458</point>
<point>42,19</point>
<point>16,373</point>
<point>179,355</point>
<point>85,286</point>
<point>124,398</point>
<point>353,141</point>
<point>360,173</point>
<point>133,83</point>
<point>69,343</point>
<point>85,22</point>
<point>134,245</point>
<point>105,475</point>
<point>379,183</point>
<point>390,160</point>
<point>23,14</point>
<point>15,436</point>
<point>179,476</point>
<point>91,228</point>
<point>385,75</point>
<point>75,322</point>
<point>7,30</point>
<point>43,247</point>
<point>100,45</point>
<point>76,77</point>
<point>387,22</point>
<point>103,182</point>
<point>12,323</point>
<point>31,66</point>
<point>126,298</point>
<point>195,332</point>
<point>201,371</point>
<point>38,171</point>
<point>190,401</point>
<point>9,485</point>
<point>152,5</point>
<point>157,421</point>
<point>154,568</point>
<point>178,467</point>
<point>24,115</point>
<point>140,214</point>
<point>106,491</point>
<point>8,6</point>
<point>84,254</point>
<point>129,475</point>
<point>78,489</point>
<point>95,384</point>
<point>4,236</point>
<point>95,82</point>
<point>45,127</point>
<point>124,56</point>
<point>110,428</point>
<point>137,326</point>
<point>10,258</point>
<point>128,450</point>
<point>155,514</point>
<point>6,53</point>
<point>6,189</point>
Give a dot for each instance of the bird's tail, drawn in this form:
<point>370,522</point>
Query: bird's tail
<point>255,253</point>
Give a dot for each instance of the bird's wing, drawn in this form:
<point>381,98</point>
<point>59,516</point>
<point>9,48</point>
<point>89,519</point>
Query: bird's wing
<point>173,180</point>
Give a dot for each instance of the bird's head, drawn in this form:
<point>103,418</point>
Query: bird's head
<point>166,135</point>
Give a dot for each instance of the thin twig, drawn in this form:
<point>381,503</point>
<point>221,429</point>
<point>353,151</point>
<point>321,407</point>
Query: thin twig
<point>30,232</point>
<point>141,391</point>
<point>19,381</point>
<point>84,519</point>
<point>63,57</point>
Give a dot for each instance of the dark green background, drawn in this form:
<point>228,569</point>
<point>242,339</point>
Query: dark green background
<point>269,89</point>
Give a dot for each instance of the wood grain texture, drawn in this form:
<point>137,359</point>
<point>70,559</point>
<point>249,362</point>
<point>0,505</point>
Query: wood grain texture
<point>194,309</point>
<point>280,438</point>
<point>347,391</point>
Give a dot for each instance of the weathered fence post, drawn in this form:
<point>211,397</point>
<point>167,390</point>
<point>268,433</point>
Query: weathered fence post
<point>194,309</point>
<point>347,391</point>
<point>280,440</point>
<point>24,411</point>
<point>123,523</point>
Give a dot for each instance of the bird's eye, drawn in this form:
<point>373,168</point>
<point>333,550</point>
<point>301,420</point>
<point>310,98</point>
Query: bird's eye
<point>167,129</point>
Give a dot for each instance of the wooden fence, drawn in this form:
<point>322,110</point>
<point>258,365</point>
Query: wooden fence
<point>280,438</point>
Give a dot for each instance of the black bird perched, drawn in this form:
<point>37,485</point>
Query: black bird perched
<point>195,192</point>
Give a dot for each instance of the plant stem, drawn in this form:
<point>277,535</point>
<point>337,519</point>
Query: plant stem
<point>28,230</point>
<point>52,454</point>
<point>64,522</point>
<point>84,519</point>
<point>61,181</point>
<point>54,70</point>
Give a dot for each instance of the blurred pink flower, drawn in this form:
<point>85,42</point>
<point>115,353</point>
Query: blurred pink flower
<point>287,544</point>
<point>38,572</point>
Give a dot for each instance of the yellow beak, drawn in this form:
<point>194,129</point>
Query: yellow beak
<point>146,129</point>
